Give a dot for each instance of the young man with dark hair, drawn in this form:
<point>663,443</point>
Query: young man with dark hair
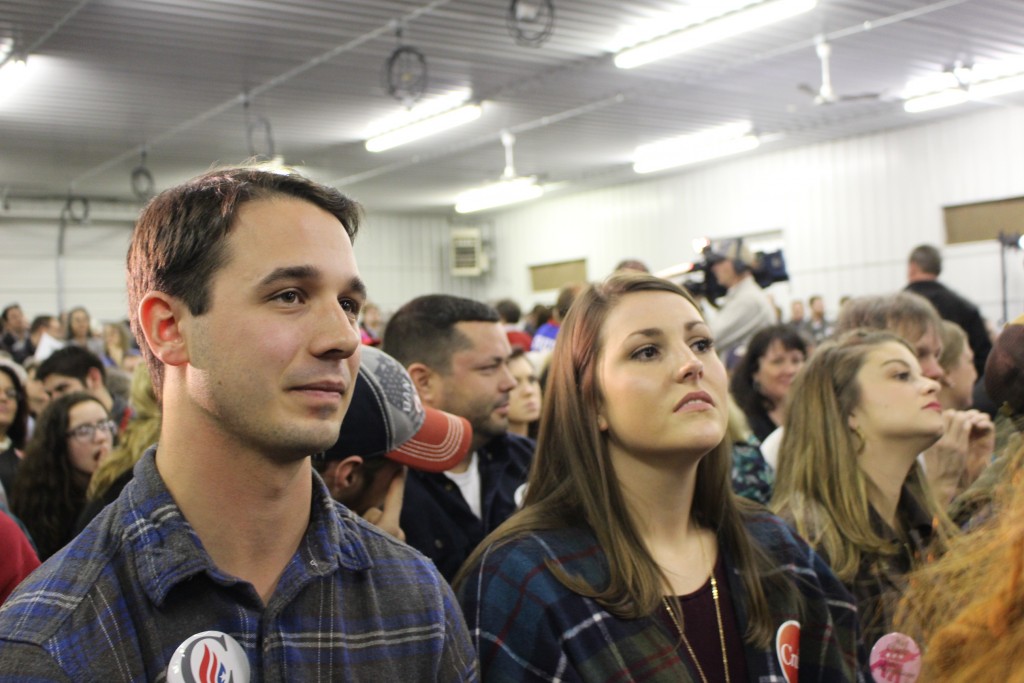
<point>40,324</point>
<point>226,553</point>
<point>510,314</point>
<point>456,352</point>
<point>15,339</point>
<point>74,368</point>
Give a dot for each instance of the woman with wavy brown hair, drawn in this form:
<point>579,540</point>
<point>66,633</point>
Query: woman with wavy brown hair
<point>631,559</point>
<point>73,435</point>
<point>848,477</point>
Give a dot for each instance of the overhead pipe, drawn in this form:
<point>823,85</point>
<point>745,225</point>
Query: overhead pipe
<point>243,98</point>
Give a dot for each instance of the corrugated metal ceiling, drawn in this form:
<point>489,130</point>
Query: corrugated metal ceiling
<point>173,77</point>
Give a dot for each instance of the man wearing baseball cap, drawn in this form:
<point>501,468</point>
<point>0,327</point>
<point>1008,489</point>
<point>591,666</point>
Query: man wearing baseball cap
<point>457,353</point>
<point>386,430</point>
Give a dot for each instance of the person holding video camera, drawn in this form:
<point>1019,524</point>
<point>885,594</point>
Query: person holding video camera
<point>745,308</point>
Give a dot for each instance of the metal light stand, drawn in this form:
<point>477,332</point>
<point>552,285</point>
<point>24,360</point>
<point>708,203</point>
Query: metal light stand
<point>1007,242</point>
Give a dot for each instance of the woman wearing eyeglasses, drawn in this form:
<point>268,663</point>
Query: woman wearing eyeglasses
<point>73,435</point>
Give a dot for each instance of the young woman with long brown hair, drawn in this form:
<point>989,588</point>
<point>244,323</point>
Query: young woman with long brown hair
<point>631,558</point>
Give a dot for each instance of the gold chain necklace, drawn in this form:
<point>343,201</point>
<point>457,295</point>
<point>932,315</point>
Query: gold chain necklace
<point>718,616</point>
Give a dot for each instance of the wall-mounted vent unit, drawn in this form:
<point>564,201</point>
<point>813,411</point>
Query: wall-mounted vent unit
<point>468,257</point>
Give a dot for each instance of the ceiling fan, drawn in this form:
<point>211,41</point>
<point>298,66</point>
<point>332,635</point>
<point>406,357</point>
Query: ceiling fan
<point>825,94</point>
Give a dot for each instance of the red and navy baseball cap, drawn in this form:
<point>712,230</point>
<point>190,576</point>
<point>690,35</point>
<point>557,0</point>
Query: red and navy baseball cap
<point>387,419</point>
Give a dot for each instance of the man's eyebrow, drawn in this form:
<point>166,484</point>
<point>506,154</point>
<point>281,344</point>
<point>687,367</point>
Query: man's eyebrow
<point>357,286</point>
<point>290,273</point>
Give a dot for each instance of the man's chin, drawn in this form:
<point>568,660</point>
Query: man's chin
<point>492,428</point>
<point>313,441</point>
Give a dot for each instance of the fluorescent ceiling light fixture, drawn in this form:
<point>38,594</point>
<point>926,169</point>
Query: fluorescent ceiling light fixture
<point>276,164</point>
<point>997,87</point>
<point>712,31</point>
<point>936,100</point>
<point>990,71</point>
<point>501,193</point>
<point>932,83</point>
<point>663,23</point>
<point>732,138</point>
<point>424,128</point>
<point>425,108</point>
<point>963,84</point>
<point>13,75</point>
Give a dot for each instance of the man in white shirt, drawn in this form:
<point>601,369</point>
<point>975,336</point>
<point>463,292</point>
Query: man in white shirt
<point>457,352</point>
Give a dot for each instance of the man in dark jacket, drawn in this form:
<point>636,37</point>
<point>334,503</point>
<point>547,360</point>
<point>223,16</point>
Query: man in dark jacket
<point>456,352</point>
<point>923,269</point>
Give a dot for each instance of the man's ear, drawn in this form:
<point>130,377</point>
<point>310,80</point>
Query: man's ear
<point>93,379</point>
<point>344,476</point>
<point>427,382</point>
<point>160,317</point>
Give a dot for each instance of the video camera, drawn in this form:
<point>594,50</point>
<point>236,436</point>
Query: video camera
<point>767,267</point>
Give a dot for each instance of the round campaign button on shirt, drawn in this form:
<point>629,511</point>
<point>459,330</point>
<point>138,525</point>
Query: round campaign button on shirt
<point>209,657</point>
<point>895,658</point>
<point>519,496</point>
<point>787,648</point>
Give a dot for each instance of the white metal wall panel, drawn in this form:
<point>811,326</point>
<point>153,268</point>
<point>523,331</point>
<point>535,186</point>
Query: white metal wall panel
<point>400,257</point>
<point>93,267</point>
<point>851,210</point>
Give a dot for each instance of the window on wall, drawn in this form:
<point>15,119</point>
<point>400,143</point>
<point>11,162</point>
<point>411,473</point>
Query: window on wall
<point>548,276</point>
<point>983,220</point>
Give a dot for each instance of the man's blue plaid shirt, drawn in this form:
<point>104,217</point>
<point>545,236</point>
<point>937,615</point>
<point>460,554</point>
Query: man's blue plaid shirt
<point>353,603</point>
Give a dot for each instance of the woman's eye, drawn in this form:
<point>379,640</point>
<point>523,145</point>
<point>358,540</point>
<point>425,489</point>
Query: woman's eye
<point>903,376</point>
<point>645,353</point>
<point>703,345</point>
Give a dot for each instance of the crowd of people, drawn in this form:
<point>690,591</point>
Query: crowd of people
<point>262,476</point>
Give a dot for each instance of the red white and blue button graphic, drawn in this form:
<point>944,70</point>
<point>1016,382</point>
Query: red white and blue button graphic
<point>209,657</point>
